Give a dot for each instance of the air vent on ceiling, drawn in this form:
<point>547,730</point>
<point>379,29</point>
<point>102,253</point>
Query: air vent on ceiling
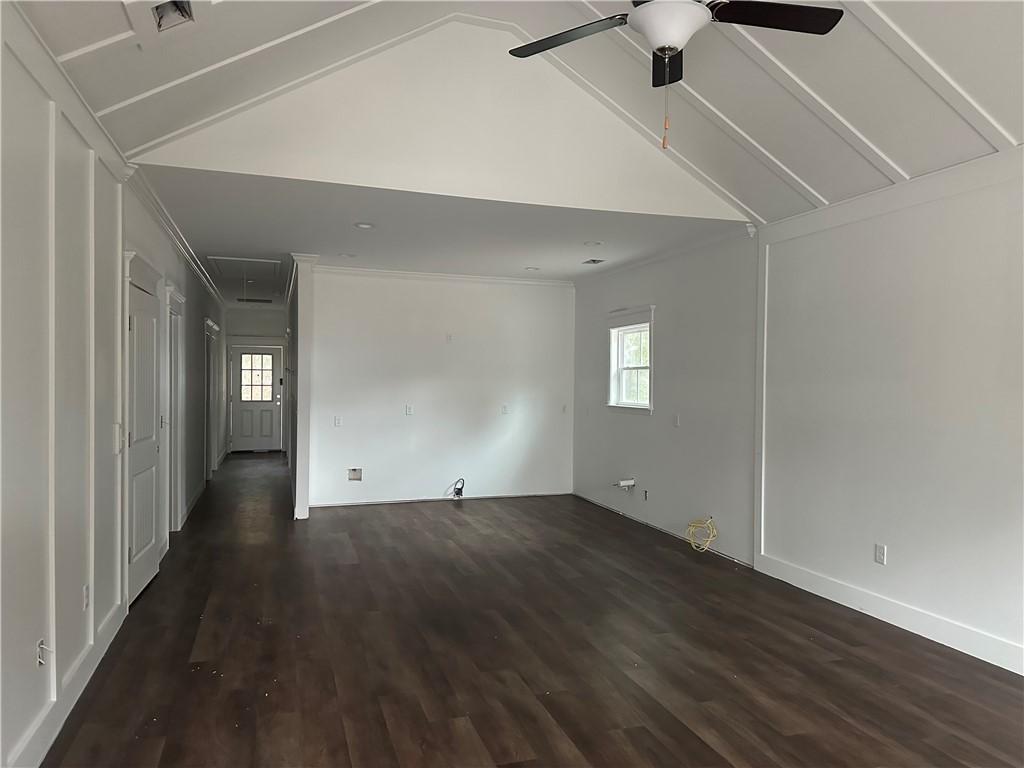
<point>594,261</point>
<point>256,301</point>
<point>170,14</point>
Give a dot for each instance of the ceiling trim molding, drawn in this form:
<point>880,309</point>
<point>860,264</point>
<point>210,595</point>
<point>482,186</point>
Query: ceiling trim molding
<point>820,108</point>
<point>560,64</point>
<point>232,59</point>
<point>291,283</point>
<point>141,186</point>
<point>767,159</point>
<point>395,274</point>
<point>981,172</point>
<point>926,68</point>
<point>98,45</point>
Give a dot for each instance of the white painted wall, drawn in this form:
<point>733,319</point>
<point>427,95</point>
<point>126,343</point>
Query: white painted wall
<point>380,343</point>
<point>703,360</point>
<point>65,220</point>
<point>256,322</point>
<point>892,406</point>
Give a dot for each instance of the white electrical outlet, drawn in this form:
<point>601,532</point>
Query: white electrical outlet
<point>408,410</point>
<point>85,597</point>
<point>337,421</point>
<point>679,420</point>
<point>881,554</point>
<point>504,410</point>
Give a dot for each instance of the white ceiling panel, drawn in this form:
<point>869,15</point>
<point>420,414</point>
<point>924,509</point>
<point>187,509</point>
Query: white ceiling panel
<point>740,88</point>
<point>69,26</point>
<point>226,30</point>
<point>230,214</point>
<point>980,45</point>
<point>872,88</point>
<point>695,134</point>
<point>775,123</point>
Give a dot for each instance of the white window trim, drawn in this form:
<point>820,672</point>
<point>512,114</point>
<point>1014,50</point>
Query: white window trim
<point>616,368</point>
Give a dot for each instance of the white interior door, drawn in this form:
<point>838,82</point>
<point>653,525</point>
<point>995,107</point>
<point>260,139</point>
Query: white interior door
<point>143,441</point>
<point>256,399</point>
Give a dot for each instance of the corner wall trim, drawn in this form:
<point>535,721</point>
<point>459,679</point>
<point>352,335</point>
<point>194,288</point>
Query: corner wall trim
<point>970,640</point>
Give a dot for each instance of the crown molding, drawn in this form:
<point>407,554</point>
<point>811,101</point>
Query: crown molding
<point>394,274</point>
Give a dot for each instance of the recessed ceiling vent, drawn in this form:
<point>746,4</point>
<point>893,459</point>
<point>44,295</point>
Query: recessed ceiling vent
<point>255,301</point>
<point>594,261</point>
<point>170,14</point>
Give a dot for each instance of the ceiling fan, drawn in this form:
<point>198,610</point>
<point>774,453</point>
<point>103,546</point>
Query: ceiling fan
<point>668,25</point>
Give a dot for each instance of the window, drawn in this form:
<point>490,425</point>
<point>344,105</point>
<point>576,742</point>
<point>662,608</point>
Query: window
<point>257,378</point>
<point>630,381</point>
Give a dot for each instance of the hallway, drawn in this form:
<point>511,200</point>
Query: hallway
<point>538,631</point>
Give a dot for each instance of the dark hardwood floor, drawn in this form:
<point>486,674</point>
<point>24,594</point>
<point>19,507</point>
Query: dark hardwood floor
<point>518,632</point>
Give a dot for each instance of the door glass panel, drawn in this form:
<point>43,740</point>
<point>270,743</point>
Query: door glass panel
<point>257,377</point>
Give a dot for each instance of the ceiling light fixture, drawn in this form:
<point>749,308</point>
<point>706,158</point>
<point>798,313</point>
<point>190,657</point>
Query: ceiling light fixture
<point>594,261</point>
<point>532,269</point>
<point>347,256</point>
<point>363,225</point>
<point>593,243</point>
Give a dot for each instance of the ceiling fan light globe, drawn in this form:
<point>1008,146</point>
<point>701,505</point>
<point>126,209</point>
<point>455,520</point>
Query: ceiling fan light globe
<point>669,24</point>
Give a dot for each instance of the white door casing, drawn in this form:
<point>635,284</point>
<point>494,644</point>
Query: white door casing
<point>143,441</point>
<point>256,373</point>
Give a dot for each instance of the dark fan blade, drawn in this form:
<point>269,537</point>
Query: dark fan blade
<point>638,3</point>
<point>811,19</point>
<point>547,43</point>
<point>658,73</point>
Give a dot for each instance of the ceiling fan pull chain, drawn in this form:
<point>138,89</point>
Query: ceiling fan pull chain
<point>664,135</point>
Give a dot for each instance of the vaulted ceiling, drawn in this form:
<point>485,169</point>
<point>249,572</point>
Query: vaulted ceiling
<point>772,124</point>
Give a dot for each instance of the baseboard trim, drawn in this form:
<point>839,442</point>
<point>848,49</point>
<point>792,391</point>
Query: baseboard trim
<point>673,534</point>
<point>970,640</point>
<point>321,505</point>
<point>37,740</point>
<point>191,504</point>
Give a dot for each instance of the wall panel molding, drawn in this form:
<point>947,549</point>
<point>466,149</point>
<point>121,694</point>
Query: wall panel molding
<point>972,177</point>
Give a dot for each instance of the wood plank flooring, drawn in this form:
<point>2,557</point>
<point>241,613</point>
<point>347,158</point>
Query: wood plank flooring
<point>516,632</point>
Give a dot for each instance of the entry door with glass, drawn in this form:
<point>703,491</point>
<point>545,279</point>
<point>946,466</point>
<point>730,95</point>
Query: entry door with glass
<point>256,399</point>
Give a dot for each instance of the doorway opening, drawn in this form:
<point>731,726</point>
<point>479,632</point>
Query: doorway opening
<point>255,397</point>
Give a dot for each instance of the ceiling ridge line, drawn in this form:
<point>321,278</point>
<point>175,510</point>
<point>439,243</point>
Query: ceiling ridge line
<point>98,45</point>
<point>931,74</point>
<point>232,59</point>
<point>816,199</point>
<point>804,93</point>
<point>285,87</point>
